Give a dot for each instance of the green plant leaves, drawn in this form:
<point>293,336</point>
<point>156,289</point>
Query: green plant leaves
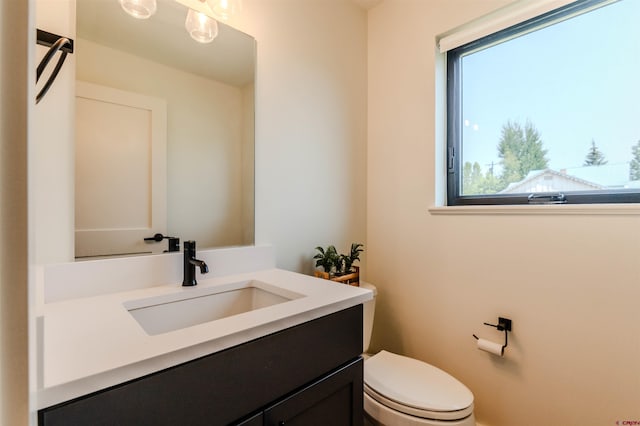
<point>338,264</point>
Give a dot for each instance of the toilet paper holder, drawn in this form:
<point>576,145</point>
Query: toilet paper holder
<point>504,324</point>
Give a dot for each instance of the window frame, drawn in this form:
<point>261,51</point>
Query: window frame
<point>454,166</point>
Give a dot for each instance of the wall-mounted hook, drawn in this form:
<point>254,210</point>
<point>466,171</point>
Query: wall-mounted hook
<point>55,44</point>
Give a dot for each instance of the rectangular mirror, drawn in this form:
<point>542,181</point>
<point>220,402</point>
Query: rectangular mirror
<point>184,171</point>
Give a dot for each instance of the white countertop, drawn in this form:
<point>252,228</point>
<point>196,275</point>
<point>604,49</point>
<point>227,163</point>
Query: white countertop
<point>92,343</point>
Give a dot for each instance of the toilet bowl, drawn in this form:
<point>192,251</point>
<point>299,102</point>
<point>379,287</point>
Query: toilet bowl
<point>402,391</point>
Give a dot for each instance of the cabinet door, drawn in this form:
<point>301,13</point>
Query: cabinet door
<point>334,400</point>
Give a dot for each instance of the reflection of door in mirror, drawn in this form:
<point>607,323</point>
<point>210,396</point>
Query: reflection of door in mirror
<point>209,91</point>
<point>121,147</point>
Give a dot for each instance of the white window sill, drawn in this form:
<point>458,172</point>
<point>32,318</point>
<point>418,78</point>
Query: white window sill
<point>545,209</point>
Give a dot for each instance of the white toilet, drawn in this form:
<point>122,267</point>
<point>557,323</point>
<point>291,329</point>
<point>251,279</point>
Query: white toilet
<point>402,391</point>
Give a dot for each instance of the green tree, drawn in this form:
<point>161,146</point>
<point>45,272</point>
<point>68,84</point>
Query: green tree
<point>634,169</point>
<point>471,178</point>
<point>520,150</point>
<point>594,157</point>
<point>492,183</point>
<point>474,182</point>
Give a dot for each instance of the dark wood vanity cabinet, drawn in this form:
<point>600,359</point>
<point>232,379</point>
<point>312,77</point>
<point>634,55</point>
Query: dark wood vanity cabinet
<point>310,374</point>
<point>334,400</point>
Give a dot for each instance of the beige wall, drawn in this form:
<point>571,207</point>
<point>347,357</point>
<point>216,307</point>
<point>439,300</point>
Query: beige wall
<point>14,104</point>
<point>570,283</point>
<point>310,125</point>
<point>248,163</point>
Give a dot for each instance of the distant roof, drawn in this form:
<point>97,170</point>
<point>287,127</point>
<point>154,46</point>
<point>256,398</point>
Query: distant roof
<point>597,177</point>
<point>531,183</point>
<point>609,175</point>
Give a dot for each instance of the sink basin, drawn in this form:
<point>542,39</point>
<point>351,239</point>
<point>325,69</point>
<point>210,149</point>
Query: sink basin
<point>190,307</point>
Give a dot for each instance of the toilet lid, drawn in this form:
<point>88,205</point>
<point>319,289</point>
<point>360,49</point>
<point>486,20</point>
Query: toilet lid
<point>415,384</point>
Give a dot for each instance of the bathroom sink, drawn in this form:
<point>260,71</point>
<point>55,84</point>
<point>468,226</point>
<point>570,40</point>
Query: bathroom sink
<point>187,308</point>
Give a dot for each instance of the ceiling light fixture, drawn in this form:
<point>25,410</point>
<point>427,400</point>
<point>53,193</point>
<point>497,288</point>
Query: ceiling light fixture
<point>200,27</point>
<point>139,9</point>
<point>224,9</point>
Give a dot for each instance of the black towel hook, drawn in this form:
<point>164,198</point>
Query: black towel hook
<point>55,43</point>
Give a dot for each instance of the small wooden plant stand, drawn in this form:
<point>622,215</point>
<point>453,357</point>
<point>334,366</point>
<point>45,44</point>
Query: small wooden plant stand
<point>350,279</point>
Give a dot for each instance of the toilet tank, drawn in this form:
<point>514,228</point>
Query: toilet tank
<point>368,311</point>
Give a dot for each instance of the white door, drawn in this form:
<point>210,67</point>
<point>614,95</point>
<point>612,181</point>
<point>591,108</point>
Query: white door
<point>121,171</point>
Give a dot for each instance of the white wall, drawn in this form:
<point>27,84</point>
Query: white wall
<point>570,283</point>
<point>52,142</point>
<point>310,125</point>
<point>205,134</point>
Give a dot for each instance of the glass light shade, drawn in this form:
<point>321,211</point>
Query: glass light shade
<point>224,9</point>
<point>140,9</point>
<point>200,27</point>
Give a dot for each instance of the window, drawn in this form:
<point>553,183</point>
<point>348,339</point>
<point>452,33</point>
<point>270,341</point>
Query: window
<point>548,110</point>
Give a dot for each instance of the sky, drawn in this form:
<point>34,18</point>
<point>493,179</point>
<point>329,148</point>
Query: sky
<point>576,81</point>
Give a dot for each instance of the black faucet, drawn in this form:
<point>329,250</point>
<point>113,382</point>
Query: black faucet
<point>190,263</point>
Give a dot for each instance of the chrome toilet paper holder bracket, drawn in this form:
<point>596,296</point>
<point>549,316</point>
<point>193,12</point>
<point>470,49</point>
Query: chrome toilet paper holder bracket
<point>504,324</point>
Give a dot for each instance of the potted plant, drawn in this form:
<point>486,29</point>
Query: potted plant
<point>326,259</point>
<point>354,256</point>
<point>339,267</point>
